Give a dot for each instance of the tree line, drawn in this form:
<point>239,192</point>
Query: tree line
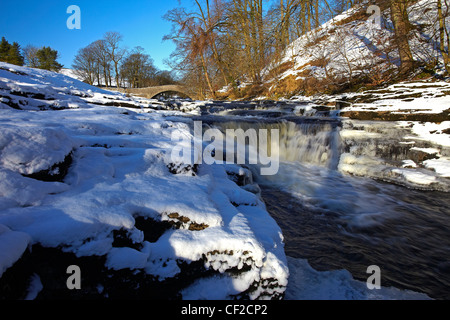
<point>31,56</point>
<point>223,42</point>
<point>106,63</point>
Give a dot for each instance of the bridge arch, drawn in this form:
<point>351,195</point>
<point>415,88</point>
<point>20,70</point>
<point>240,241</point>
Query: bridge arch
<point>152,92</point>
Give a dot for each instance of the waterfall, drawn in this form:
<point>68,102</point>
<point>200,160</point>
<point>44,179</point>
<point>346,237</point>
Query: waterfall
<point>313,142</point>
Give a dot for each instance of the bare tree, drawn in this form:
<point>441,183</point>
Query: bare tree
<point>193,40</point>
<point>86,64</point>
<point>30,55</point>
<point>114,51</point>
<point>247,29</point>
<point>138,69</point>
<point>225,41</point>
<point>104,65</point>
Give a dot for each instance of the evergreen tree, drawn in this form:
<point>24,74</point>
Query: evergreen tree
<point>4,50</point>
<point>10,53</point>
<point>14,55</point>
<point>47,59</point>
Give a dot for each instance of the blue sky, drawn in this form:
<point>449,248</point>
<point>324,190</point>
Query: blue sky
<point>43,23</point>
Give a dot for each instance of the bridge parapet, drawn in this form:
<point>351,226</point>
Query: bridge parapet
<point>151,92</point>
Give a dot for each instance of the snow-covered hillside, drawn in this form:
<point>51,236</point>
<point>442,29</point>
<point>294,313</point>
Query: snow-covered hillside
<point>70,73</point>
<point>354,45</point>
<point>86,179</point>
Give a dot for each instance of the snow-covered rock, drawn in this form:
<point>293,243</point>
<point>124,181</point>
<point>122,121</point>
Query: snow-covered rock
<point>12,245</point>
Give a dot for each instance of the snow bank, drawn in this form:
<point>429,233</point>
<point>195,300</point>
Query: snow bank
<point>126,258</point>
<point>419,178</point>
<point>411,153</point>
<point>35,89</point>
<point>430,131</point>
<point>12,245</point>
<point>13,77</point>
<point>305,283</point>
<point>441,166</point>
<point>21,148</point>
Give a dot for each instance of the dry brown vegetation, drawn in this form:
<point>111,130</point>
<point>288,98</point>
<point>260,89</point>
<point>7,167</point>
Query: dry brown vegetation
<point>225,42</point>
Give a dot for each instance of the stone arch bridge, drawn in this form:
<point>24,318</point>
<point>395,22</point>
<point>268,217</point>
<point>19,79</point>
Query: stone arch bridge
<point>152,92</point>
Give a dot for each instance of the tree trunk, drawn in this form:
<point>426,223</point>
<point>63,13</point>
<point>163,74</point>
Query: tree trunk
<point>399,16</point>
<point>442,28</point>
<point>284,25</point>
<point>116,66</point>
<point>309,16</point>
<point>303,17</point>
<point>261,46</point>
<point>208,81</point>
<point>316,12</point>
<point>105,74</point>
<point>98,75</point>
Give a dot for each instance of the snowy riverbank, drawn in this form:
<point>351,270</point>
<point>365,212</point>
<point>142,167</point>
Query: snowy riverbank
<point>88,179</point>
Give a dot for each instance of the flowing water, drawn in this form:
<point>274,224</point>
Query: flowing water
<point>339,221</point>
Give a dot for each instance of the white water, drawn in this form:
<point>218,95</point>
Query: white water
<point>304,143</point>
<point>360,201</point>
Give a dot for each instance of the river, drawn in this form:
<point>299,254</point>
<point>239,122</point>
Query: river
<point>338,221</point>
